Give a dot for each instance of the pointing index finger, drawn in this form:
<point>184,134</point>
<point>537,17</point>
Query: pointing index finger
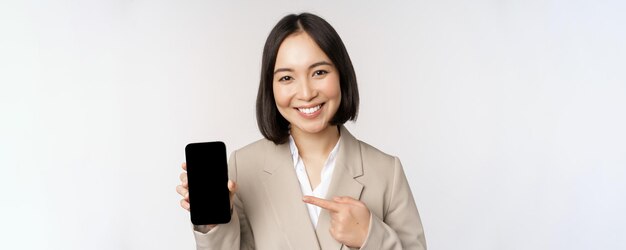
<point>325,204</point>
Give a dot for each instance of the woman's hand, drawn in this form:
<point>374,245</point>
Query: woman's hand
<point>349,219</point>
<point>183,190</point>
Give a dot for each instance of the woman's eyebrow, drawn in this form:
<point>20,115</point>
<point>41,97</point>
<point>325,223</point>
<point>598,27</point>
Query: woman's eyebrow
<point>282,69</point>
<point>319,64</point>
<point>310,67</point>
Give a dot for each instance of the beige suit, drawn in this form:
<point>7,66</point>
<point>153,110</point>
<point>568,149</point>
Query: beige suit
<point>270,213</point>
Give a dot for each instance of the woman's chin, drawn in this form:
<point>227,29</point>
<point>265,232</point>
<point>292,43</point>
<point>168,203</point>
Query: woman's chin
<point>313,128</point>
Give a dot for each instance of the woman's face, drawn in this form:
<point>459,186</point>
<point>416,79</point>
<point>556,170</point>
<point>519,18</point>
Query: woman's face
<point>306,84</point>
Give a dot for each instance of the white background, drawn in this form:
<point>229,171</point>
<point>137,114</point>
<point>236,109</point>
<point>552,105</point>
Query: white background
<point>509,116</point>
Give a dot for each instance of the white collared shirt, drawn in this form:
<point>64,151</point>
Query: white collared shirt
<point>322,189</point>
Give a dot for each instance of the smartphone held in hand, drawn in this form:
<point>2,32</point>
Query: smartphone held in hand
<point>207,176</point>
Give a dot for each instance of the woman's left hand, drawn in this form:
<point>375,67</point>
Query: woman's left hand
<point>350,218</point>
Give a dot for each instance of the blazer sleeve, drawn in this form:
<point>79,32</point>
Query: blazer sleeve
<point>236,234</point>
<point>401,227</point>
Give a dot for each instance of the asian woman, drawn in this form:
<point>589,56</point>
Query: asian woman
<point>309,183</point>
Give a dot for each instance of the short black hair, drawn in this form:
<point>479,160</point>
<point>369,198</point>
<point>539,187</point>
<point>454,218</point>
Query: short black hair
<point>272,124</point>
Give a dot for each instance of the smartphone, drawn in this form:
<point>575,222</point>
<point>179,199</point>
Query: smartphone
<point>207,176</point>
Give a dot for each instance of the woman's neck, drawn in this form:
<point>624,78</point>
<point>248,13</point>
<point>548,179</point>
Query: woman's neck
<point>318,144</point>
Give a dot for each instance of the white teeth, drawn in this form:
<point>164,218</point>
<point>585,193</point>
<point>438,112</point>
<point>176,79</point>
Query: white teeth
<point>310,110</point>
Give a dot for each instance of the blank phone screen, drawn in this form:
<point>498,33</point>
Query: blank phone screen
<point>207,176</point>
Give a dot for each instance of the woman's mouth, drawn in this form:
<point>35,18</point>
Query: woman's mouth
<point>310,110</point>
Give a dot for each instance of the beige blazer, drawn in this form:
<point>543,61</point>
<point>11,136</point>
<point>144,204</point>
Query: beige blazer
<point>270,213</point>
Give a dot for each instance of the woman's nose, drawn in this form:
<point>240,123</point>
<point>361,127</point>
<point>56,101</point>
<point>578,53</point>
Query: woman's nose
<point>306,92</point>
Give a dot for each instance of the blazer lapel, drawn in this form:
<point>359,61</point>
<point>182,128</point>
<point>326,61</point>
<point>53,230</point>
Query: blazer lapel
<point>348,166</point>
<point>282,190</point>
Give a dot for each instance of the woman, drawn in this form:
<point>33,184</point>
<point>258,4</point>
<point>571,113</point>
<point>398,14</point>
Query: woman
<point>309,184</point>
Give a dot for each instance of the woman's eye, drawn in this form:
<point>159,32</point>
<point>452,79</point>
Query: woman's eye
<point>320,72</point>
<point>285,78</point>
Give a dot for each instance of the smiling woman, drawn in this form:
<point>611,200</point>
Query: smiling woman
<point>306,85</point>
<point>304,44</point>
<point>310,184</point>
